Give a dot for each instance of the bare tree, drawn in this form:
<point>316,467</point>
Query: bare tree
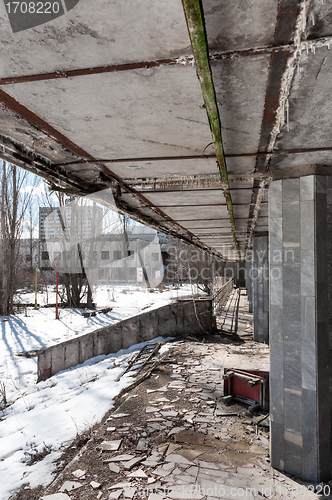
<point>13,206</point>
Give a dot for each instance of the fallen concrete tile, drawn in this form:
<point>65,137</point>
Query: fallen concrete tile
<point>178,459</point>
<point>138,473</point>
<point>151,480</point>
<point>162,472</point>
<point>111,429</point>
<point>56,496</point>
<point>172,447</point>
<point>149,391</point>
<point>235,456</point>
<point>79,473</point>
<point>192,471</point>
<point>129,465</point>
<point>239,445</point>
<point>222,413</point>
<point>155,496</point>
<point>95,485</point>
<point>207,465</point>
<point>129,492</point>
<point>120,458</point>
<point>190,437</point>
<point>203,420</point>
<point>210,457</point>
<point>120,415</point>
<point>156,427</point>
<point>141,445</point>
<point>169,413</point>
<point>176,430</point>
<point>70,485</point>
<point>110,445</point>
<point>162,389</point>
<point>163,448</point>
<point>115,494</point>
<point>119,485</point>
<point>114,468</point>
<point>182,494</point>
<point>151,409</point>
<point>190,454</point>
<point>257,449</point>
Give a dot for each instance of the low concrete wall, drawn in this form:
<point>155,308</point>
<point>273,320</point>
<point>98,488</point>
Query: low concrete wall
<point>173,320</point>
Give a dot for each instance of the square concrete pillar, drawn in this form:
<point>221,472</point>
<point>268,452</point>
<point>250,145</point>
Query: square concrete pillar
<point>249,285</point>
<point>260,288</point>
<point>300,226</point>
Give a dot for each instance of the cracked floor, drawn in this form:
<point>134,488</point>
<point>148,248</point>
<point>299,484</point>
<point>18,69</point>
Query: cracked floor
<point>172,437</point>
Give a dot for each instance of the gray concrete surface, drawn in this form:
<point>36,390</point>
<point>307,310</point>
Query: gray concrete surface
<point>300,312</point>
<point>177,319</point>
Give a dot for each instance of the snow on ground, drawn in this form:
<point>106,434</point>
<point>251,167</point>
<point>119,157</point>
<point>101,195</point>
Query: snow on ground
<point>50,414</point>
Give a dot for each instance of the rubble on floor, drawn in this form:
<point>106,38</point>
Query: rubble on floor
<point>172,437</point>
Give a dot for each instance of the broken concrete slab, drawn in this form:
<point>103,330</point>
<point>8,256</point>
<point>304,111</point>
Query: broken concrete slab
<point>115,494</point>
<point>190,437</point>
<point>110,445</point>
<point>131,463</point>
<point>178,459</point>
<point>119,485</point>
<point>79,473</point>
<point>129,492</point>
<point>120,458</point>
<point>138,474</point>
<point>95,485</point>
<point>114,468</point>
<point>56,496</point>
<point>190,454</point>
<point>70,485</point>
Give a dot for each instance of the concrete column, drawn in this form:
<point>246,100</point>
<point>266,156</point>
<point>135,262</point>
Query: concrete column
<point>300,224</point>
<point>260,288</point>
<point>248,267</point>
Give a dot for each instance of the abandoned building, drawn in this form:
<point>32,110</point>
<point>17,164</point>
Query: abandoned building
<point>210,120</point>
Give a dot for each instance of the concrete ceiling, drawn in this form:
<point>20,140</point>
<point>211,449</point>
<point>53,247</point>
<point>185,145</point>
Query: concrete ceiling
<point>108,96</point>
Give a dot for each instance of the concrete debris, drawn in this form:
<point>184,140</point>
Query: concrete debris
<point>110,445</point>
<point>129,492</point>
<point>56,496</point>
<point>115,494</point>
<point>70,485</point>
<point>119,415</point>
<point>119,485</point>
<point>141,445</point>
<point>129,465</point>
<point>138,473</point>
<point>95,485</point>
<point>114,468</point>
<point>172,447</point>
<point>120,458</point>
<point>79,473</point>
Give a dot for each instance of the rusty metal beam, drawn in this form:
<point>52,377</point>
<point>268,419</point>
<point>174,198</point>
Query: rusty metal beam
<point>181,59</point>
<point>115,68</point>
<point>259,154</point>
